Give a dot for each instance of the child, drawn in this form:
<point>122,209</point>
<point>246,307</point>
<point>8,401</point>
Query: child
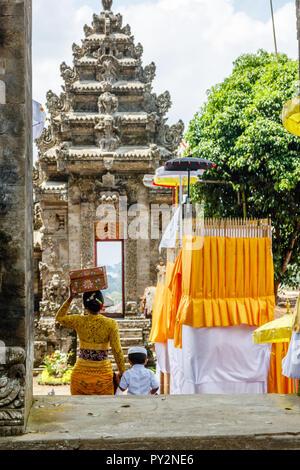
<point>139,380</point>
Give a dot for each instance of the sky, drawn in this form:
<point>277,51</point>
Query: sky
<point>192,42</point>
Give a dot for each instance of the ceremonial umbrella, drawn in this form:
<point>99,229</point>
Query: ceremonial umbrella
<point>290,116</point>
<point>276,331</point>
<point>173,179</point>
<point>188,165</point>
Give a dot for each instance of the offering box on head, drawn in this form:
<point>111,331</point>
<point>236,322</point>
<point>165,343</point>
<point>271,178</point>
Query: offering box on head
<point>88,280</point>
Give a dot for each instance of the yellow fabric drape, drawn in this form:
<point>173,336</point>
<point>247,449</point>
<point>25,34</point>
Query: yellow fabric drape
<point>226,281</point>
<point>175,288</point>
<point>161,308</point>
<point>278,383</point>
<point>158,333</point>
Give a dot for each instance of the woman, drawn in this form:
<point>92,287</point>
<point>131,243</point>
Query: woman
<point>93,374</point>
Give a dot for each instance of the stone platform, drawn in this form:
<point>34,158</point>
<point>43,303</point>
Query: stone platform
<point>204,422</point>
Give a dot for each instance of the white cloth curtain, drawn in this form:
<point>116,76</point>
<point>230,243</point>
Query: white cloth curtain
<point>162,356</point>
<point>220,360</point>
<point>176,369</point>
<point>291,362</point>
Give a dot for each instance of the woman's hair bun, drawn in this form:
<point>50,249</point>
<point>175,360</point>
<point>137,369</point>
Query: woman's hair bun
<point>93,300</point>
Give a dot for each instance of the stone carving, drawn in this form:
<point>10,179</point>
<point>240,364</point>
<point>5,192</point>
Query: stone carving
<point>151,125</point>
<point>96,22</point>
<point>108,70</point>
<point>46,140</point>
<point>107,4</point>
<point>119,21</point>
<point>38,222</point>
<point>149,72</point>
<point>164,103</point>
<point>55,292</point>
<point>57,104</point>
<point>109,197</point>
<point>43,269</point>
<point>84,189</point>
<point>109,139</point>
<point>12,385</point>
<point>108,180</point>
<point>107,26</point>
<point>138,51</point>
<point>87,30</point>
<point>150,104</point>
<point>170,137</point>
<point>87,237</point>
<point>62,155</point>
<point>54,256</point>
<point>107,103</point>
<point>108,162</point>
<point>78,51</point>
<point>68,74</point>
<point>155,152</point>
<point>126,30</point>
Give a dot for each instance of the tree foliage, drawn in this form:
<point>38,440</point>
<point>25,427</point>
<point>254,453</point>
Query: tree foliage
<point>240,129</point>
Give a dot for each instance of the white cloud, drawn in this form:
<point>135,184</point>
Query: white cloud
<point>192,42</point>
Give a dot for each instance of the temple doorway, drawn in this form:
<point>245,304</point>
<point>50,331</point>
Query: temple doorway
<point>110,253</point>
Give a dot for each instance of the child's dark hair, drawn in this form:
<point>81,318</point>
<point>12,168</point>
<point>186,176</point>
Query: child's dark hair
<point>93,301</point>
<point>137,358</point>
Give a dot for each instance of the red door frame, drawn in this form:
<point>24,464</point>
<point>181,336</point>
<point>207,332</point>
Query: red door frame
<point>114,315</point>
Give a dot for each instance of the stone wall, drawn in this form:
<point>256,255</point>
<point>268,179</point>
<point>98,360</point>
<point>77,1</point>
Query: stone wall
<point>16,243</point>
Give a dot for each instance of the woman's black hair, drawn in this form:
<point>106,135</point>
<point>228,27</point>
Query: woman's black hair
<point>93,301</point>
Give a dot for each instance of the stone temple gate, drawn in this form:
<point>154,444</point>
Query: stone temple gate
<point>107,129</point>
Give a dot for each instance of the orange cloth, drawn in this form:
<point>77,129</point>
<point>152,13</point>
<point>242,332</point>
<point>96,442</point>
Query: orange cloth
<point>278,383</point>
<point>92,378</point>
<point>158,333</point>
<point>161,308</point>
<point>175,287</point>
<point>225,281</point>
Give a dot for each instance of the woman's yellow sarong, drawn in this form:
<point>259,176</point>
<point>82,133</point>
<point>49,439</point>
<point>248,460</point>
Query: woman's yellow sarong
<point>92,378</point>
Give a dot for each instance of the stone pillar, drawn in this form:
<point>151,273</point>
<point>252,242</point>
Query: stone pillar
<point>143,247</point>
<point>16,217</point>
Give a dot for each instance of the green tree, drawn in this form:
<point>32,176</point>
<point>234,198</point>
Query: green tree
<point>240,129</point>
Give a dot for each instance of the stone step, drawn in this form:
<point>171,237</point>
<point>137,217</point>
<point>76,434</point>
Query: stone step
<point>134,323</point>
<point>130,333</point>
<point>128,342</point>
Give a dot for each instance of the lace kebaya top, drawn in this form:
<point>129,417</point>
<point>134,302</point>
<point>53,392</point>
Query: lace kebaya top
<point>95,332</point>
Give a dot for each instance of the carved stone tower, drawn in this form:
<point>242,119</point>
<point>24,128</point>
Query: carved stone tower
<point>106,130</point>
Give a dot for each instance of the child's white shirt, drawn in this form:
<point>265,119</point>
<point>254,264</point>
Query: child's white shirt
<point>139,380</point>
